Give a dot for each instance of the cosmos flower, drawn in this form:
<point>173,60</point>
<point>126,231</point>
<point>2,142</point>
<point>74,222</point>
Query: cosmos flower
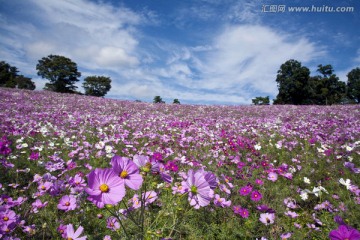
<point>112,223</point>
<point>67,203</point>
<point>267,218</point>
<point>272,176</point>
<point>200,193</point>
<point>105,187</point>
<point>256,196</point>
<point>245,190</point>
<point>127,171</point>
<point>344,232</point>
<point>221,202</point>
<point>72,234</point>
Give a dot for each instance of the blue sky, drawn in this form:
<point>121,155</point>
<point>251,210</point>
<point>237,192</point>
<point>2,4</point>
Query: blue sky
<point>200,51</point>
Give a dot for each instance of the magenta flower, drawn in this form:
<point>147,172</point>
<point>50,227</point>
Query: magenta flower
<point>74,235</point>
<point>245,190</point>
<point>267,218</point>
<point>344,232</point>
<point>105,187</point>
<point>200,193</point>
<point>127,171</point>
<point>244,213</point>
<point>256,196</point>
<point>67,203</point>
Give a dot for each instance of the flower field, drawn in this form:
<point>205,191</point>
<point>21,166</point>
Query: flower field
<point>76,167</point>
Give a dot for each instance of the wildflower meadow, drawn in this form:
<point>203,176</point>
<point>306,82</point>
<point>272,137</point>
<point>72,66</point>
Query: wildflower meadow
<point>80,167</point>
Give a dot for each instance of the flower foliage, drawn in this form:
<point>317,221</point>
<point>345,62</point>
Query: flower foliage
<point>78,167</point>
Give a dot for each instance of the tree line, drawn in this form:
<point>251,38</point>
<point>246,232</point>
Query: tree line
<point>62,74</point>
<point>296,86</point>
<point>294,82</point>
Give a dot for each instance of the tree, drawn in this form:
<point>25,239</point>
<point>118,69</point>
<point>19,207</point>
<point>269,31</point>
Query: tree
<point>176,101</point>
<point>25,83</point>
<point>158,99</point>
<point>292,81</point>
<point>97,85</point>
<point>60,71</point>
<point>7,74</point>
<point>9,78</point>
<point>353,85</point>
<point>326,88</point>
<point>261,100</point>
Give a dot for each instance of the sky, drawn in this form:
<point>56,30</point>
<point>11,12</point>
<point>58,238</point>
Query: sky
<point>222,52</point>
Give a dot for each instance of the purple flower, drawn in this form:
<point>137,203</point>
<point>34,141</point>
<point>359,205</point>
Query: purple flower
<point>74,235</point>
<point>221,202</point>
<point>37,205</point>
<point>265,208</point>
<point>256,196</point>
<point>105,187</point>
<point>267,218</point>
<point>127,171</point>
<point>62,230</point>
<point>112,223</point>
<point>199,189</point>
<point>344,233</point>
<point>150,197</point>
<point>245,190</point>
<point>67,203</point>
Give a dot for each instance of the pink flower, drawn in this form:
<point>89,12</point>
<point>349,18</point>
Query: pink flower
<point>149,197</point>
<point>267,218</point>
<point>256,196</point>
<point>245,190</point>
<point>127,171</point>
<point>272,176</point>
<point>105,187</point>
<point>74,235</point>
<point>67,203</point>
<point>199,189</point>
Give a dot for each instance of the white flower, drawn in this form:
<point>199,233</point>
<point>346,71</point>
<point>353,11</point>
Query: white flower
<point>306,180</point>
<point>304,195</point>
<point>317,191</point>
<point>257,147</point>
<point>346,183</point>
<point>108,149</point>
<point>348,148</point>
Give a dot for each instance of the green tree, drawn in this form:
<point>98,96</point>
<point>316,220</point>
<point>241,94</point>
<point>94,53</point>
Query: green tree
<point>9,77</point>
<point>292,81</point>
<point>176,101</point>
<point>353,85</point>
<point>261,100</point>
<point>24,83</point>
<point>97,85</point>
<point>158,99</point>
<point>326,88</point>
<point>60,71</point>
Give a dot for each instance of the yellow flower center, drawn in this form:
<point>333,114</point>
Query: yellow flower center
<point>5,218</point>
<point>104,188</point>
<point>67,204</point>
<point>69,238</point>
<point>124,174</point>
